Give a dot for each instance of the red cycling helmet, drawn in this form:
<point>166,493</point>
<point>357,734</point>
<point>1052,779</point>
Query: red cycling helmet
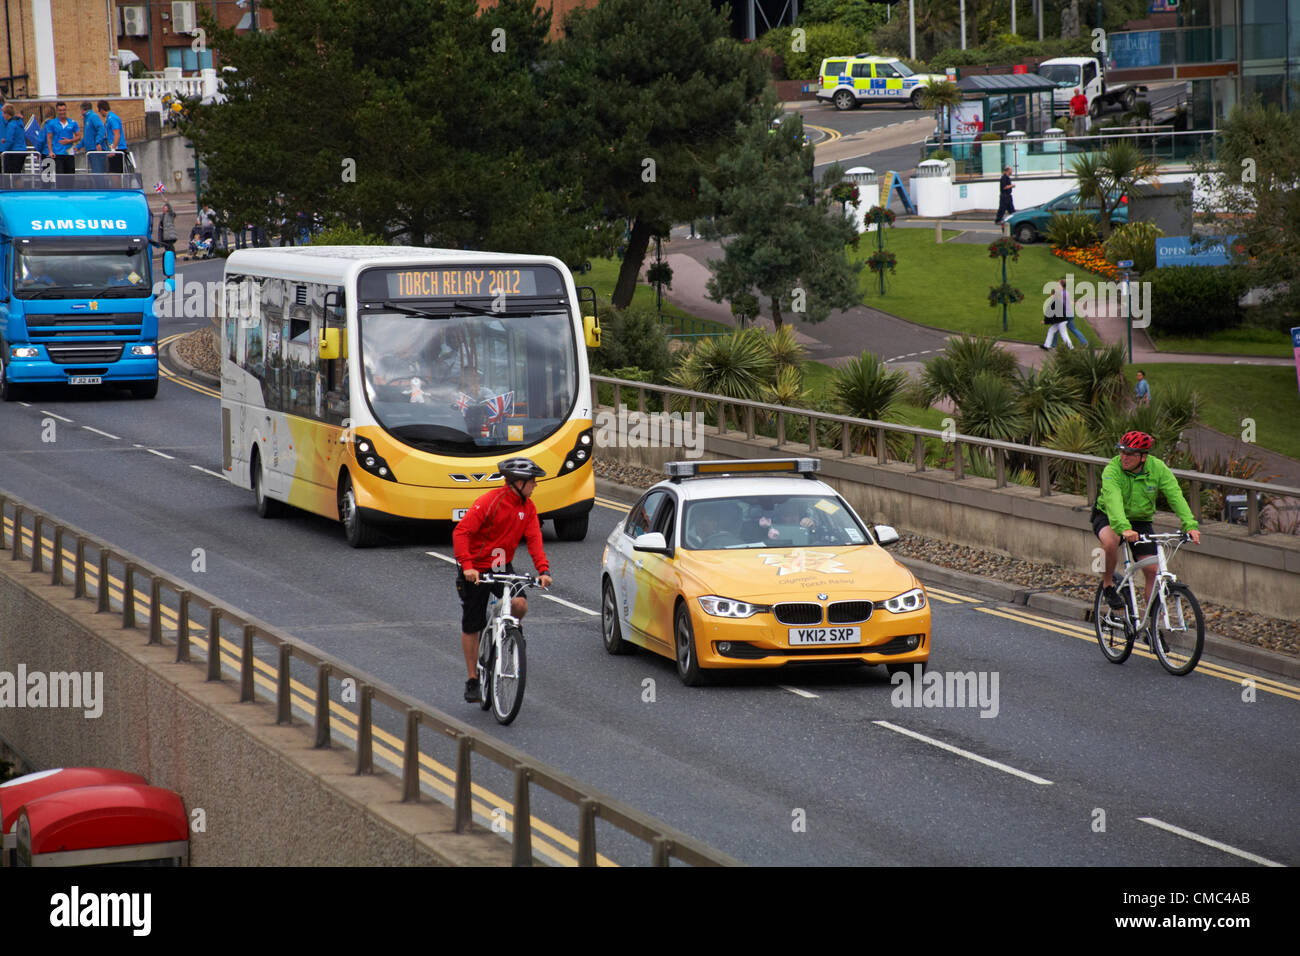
<point>1136,441</point>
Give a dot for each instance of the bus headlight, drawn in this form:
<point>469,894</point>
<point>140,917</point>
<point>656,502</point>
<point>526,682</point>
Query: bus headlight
<point>580,453</point>
<point>24,351</point>
<point>371,461</point>
<point>144,350</point>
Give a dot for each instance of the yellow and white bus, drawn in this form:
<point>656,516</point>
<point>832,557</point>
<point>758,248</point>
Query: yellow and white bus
<point>373,384</point>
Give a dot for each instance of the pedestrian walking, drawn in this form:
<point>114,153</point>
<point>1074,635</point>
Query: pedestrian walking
<point>1005,205</point>
<point>1143,391</point>
<point>1079,112</point>
<point>1067,310</point>
<point>1054,316</point>
<point>167,226</point>
<point>61,136</point>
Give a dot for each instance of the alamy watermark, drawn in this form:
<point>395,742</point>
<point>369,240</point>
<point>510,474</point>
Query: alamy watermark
<point>633,429</point>
<point>953,689</point>
<point>1088,298</point>
<point>75,689</point>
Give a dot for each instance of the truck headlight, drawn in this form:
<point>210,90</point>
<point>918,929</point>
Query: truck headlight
<point>23,351</point>
<point>144,350</point>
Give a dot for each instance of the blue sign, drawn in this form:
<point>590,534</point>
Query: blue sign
<point>1135,49</point>
<point>1179,251</point>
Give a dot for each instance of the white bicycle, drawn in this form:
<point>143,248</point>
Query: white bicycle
<point>502,659</point>
<point>1172,622</point>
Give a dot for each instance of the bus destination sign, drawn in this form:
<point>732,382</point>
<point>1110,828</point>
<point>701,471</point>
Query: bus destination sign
<point>443,282</point>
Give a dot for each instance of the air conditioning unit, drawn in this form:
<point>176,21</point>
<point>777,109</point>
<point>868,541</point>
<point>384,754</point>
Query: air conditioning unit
<point>134,22</point>
<point>183,20</point>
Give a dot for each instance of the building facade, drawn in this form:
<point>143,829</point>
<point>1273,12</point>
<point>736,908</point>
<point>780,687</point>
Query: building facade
<point>57,48</point>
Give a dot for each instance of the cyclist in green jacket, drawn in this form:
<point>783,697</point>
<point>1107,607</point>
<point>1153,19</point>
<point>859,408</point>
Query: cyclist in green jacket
<point>1127,502</point>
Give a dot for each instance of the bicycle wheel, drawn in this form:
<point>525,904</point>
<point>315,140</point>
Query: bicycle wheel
<point>1179,641</point>
<point>508,670</point>
<point>484,674</point>
<point>1114,639</point>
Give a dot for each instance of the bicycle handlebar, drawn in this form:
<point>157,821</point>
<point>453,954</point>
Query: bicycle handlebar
<point>1163,536</point>
<point>500,577</point>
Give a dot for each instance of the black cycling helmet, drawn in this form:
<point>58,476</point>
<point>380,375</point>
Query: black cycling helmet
<point>520,469</point>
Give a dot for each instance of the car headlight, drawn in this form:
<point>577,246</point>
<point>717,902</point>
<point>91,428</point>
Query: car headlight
<point>912,600</point>
<point>729,607</point>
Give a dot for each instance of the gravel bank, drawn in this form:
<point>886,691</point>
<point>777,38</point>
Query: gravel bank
<point>199,350</point>
<point>1247,627</point>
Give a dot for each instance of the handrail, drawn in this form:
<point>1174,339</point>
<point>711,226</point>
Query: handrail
<point>1001,449</point>
<point>666,843</point>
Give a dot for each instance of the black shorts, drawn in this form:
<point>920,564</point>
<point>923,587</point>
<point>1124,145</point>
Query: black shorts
<point>474,601</point>
<point>1099,521</point>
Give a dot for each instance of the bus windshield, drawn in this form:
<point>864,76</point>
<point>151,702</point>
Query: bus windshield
<point>81,268</point>
<point>469,384</point>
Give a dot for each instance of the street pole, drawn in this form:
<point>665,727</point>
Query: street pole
<point>911,26</point>
<point>963,24</point>
<point>1004,290</point>
<point>1128,319</point>
<point>1013,17</point>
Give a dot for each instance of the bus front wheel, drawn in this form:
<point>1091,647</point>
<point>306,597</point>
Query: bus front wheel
<point>571,529</point>
<point>359,532</point>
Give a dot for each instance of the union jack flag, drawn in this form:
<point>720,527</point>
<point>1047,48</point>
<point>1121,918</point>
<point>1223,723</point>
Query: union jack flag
<point>499,407</point>
<point>463,402</point>
<point>158,187</point>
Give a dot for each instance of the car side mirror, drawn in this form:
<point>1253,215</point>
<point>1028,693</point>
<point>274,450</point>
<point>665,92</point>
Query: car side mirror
<point>651,541</point>
<point>885,535</point>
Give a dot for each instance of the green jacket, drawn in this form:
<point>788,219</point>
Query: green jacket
<point>1131,496</point>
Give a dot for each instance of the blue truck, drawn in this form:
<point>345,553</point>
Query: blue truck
<point>76,283</point>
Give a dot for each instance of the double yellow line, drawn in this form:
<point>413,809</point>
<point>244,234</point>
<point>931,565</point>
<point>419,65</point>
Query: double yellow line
<point>1269,684</point>
<point>171,376</point>
<point>548,841</point>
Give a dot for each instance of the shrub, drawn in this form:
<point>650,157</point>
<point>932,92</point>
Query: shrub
<point>1196,300</point>
<point>822,40</point>
<point>344,235</point>
<point>1072,230</point>
<point>1136,241</point>
<point>632,337</point>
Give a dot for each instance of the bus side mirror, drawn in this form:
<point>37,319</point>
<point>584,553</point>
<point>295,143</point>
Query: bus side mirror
<point>169,264</point>
<point>591,329</point>
<point>330,344</point>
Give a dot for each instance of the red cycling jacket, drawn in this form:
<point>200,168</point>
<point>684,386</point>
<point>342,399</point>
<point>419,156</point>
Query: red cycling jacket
<point>498,520</point>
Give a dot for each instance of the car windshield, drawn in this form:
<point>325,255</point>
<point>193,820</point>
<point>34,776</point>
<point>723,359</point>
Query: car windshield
<point>770,521</point>
<point>1062,74</point>
<point>901,67</point>
<point>81,269</point>
<point>469,384</point>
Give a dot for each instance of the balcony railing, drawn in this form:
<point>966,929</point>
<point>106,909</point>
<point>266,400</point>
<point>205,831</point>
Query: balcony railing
<point>1142,48</point>
<point>152,87</point>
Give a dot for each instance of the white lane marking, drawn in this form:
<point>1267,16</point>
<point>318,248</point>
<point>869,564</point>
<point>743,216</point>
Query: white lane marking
<point>25,404</point>
<point>963,753</point>
<point>159,454</point>
<point>214,474</point>
<point>576,607</point>
<point>443,557</point>
<point>1208,842</point>
<point>53,415</point>
<point>796,690</point>
<point>98,432</point>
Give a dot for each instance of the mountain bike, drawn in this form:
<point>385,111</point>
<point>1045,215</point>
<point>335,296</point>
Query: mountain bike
<point>1171,623</point>
<point>502,661</point>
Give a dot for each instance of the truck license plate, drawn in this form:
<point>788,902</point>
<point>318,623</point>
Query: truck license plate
<point>85,380</point>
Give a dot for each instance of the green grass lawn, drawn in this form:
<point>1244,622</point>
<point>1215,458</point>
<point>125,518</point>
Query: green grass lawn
<point>1242,341</point>
<point>603,277</point>
<point>947,286</point>
<point>1266,393</point>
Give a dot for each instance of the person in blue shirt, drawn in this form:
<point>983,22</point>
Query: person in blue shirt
<point>114,132</point>
<point>95,138</point>
<point>13,139</point>
<point>61,135</point>
<point>1143,392</point>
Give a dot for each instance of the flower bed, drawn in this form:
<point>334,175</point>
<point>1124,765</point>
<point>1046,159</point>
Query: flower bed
<point>1091,258</point>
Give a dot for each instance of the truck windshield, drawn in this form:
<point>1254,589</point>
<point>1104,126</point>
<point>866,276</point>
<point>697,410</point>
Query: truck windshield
<point>1062,74</point>
<point>77,268</point>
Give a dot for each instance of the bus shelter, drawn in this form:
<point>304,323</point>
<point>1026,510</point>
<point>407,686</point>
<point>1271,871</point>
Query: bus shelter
<point>1009,101</point>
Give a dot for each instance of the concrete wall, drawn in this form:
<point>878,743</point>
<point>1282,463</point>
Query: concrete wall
<point>161,159</point>
<point>1229,567</point>
<point>269,798</point>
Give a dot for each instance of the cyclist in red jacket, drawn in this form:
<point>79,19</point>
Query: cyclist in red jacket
<point>485,540</point>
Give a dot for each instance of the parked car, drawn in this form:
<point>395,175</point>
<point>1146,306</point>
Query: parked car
<point>850,81</point>
<point>1029,225</point>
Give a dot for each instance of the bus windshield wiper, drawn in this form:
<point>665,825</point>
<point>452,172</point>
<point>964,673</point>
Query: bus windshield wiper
<point>407,310</point>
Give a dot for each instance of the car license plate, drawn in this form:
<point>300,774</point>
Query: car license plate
<point>459,513</point>
<point>825,635</point>
<point>85,380</point>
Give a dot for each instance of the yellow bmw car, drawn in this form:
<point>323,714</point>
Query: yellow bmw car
<point>733,564</point>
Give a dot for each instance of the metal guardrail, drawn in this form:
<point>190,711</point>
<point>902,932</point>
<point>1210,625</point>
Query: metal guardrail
<point>666,843</point>
<point>1056,154</point>
<point>999,449</point>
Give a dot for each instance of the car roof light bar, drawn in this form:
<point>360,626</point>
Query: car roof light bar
<point>677,470</point>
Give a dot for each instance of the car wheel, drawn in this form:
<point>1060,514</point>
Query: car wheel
<point>1130,100</point>
<point>688,661</point>
<point>266,507</point>
<point>571,529</point>
<point>359,532</point>
<point>1025,233</point>
<point>844,100</point>
<point>1094,109</point>
<point>916,100</point>
<point>609,624</point>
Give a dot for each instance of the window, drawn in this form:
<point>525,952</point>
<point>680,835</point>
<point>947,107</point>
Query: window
<point>834,68</point>
<point>664,519</point>
<point>1089,73</point>
<point>187,59</point>
<point>642,517</point>
<point>887,70</point>
<point>862,70</point>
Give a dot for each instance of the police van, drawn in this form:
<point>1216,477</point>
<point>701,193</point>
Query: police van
<point>850,81</point>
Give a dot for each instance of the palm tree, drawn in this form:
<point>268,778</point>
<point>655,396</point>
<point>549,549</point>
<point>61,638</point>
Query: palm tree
<point>1047,398</point>
<point>865,387</point>
<point>1108,178</point>
<point>990,410</point>
<point>787,352</point>
<point>737,366</point>
<point>948,375</point>
<point>939,95</point>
